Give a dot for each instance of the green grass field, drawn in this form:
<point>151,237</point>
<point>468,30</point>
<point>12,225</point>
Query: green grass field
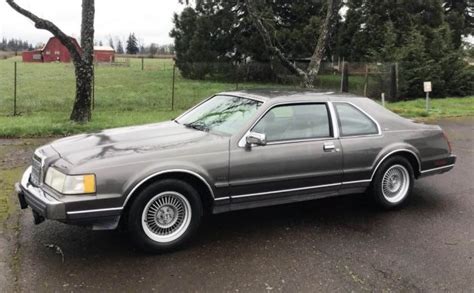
<point>449,107</point>
<point>126,95</point>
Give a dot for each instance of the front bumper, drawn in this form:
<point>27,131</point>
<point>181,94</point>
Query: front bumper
<point>47,206</point>
<point>41,202</point>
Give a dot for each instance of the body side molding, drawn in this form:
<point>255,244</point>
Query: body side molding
<point>437,169</point>
<point>94,211</point>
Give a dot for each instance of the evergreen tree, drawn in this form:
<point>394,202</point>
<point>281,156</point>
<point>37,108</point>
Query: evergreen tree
<point>132,44</point>
<point>221,31</point>
<point>14,45</point>
<point>111,43</point>
<point>460,17</point>
<point>416,67</point>
<point>422,36</point>
<point>153,49</point>
<point>413,33</point>
<point>120,47</point>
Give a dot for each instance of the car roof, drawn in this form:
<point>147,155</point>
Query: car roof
<point>290,94</point>
<point>385,118</point>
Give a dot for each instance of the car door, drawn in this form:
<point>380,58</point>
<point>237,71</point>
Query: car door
<point>301,159</point>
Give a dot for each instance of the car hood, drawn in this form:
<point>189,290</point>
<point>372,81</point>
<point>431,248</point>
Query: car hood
<point>169,137</point>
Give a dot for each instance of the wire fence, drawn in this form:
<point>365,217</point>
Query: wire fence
<point>130,84</point>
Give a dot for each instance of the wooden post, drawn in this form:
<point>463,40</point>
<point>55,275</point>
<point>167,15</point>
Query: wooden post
<point>172,89</point>
<point>393,82</point>
<point>237,78</point>
<point>93,88</point>
<point>366,82</point>
<point>143,65</point>
<point>345,78</point>
<point>14,89</point>
<point>396,77</point>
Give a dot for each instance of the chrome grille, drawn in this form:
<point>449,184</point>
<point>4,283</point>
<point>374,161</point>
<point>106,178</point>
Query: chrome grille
<point>36,170</point>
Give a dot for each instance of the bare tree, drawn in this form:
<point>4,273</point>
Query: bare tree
<point>308,76</point>
<point>153,49</point>
<point>82,58</point>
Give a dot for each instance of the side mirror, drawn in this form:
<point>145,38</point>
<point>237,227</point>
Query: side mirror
<point>255,138</point>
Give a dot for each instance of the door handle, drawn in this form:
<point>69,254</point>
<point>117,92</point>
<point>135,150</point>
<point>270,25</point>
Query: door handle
<point>329,147</point>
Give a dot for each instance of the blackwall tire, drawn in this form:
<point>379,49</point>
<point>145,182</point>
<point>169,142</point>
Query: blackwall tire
<point>393,182</point>
<point>164,216</point>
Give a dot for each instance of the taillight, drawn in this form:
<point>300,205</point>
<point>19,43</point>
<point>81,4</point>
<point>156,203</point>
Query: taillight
<point>447,140</point>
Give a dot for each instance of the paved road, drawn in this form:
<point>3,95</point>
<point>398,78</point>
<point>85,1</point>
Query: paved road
<point>339,244</point>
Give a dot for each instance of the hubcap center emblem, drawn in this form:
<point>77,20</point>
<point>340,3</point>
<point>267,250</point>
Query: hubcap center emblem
<point>165,215</point>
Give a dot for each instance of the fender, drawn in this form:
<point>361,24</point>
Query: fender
<point>134,184</point>
<point>391,150</point>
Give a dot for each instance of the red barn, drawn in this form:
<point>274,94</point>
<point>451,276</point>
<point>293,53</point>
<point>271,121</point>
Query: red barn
<point>32,56</point>
<point>55,51</point>
<point>104,54</point>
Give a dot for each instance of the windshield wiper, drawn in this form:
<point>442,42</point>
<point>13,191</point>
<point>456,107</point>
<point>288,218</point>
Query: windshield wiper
<point>197,125</point>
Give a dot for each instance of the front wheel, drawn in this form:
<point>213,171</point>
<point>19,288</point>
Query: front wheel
<point>165,215</point>
<point>393,182</point>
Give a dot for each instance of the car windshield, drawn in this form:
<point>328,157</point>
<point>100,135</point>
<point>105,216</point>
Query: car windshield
<point>223,114</point>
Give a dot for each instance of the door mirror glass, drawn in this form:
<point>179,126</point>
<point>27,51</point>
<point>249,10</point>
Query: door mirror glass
<point>255,138</point>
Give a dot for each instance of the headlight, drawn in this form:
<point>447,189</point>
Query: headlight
<point>76,184</point>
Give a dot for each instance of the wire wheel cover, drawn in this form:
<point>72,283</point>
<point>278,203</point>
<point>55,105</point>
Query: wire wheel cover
<point>395,183</point>
<point>166,216</point>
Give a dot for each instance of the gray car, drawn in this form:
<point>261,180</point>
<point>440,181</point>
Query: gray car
<point>235,150</point>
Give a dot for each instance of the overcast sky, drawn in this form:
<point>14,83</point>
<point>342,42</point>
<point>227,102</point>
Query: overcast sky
<point>150,20</point>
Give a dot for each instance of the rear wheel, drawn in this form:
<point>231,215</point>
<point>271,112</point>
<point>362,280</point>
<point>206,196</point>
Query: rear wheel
<point>165,215</point>
<point>393,182</point>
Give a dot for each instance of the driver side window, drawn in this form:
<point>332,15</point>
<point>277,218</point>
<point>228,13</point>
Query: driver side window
<point>295,122</point>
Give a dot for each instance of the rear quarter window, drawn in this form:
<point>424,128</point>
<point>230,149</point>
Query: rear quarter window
<point>353,122</point>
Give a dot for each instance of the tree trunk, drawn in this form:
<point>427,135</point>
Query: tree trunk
<point>83,59</point>
<point>324,36</point>
<point>81,111</point>
<point>310,74</point>
<point>84,69</point>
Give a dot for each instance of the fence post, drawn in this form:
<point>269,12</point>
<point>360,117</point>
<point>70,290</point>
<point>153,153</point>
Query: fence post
<point>345,78</point>
<point>143,65</point>
<point>14,89</point>
<point>397,81</point>
<point>172,89</point>
<point>93,87</point>
<point>237,78</point>
<point>393,82</point>
<point>366,82</point>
